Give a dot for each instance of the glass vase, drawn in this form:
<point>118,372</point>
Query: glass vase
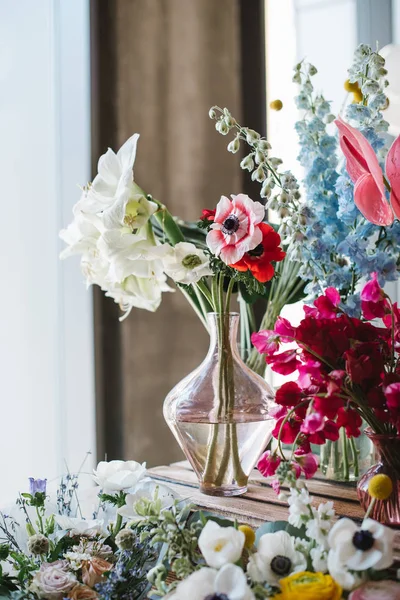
<point>346,459</point>
<point>219,414</point>
<point>387,455</point>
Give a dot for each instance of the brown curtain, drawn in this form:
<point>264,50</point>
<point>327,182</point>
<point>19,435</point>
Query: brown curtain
<point>158,66</point>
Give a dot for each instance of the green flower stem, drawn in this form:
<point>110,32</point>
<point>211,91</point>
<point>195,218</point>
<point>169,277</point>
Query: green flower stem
<point>118,525</point>
<point>354,452</point>
<point>346,469</point>
<point>39,521</point>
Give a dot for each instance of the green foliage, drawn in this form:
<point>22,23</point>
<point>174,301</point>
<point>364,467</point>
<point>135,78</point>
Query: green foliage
<point>114,499</point>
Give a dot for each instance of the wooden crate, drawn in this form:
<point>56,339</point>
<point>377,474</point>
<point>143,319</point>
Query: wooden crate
<point>260,503</point>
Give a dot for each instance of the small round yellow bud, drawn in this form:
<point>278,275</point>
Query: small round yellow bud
<point>276,104</point>
<point>357,97</point>
<point>380,487</point>
<point>351,87</point>
<point>249,534</point>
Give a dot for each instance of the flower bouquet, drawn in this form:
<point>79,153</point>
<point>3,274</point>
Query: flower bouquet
<point>348,372</point>
<point>346,226</point>
<point>142,541</point>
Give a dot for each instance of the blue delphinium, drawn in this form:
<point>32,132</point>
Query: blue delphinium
<point>128,581</point>
<point>339,246</point>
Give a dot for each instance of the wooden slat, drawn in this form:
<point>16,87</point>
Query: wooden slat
<point>262,494</point>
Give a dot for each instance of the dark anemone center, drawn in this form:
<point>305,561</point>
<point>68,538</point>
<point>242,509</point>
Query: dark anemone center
<point>281,565</point>
<point>216,597</point>
<point>230,225</point>
<point>363,540</point>
<point>257,252</point>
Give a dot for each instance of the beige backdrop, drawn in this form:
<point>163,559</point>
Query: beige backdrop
<point>173,59</point>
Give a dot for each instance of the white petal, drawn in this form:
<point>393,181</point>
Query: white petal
<point>231,581</point>
<point>127,152</point>
<point>109,167</point>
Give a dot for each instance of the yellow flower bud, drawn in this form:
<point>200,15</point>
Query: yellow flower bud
<point>351,87</point>
<point>357,97</point>
<point>276,104</point>
<point>380,487</point>
<point>249,535</point>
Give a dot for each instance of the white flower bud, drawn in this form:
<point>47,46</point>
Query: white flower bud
<point>230,121</point>
<point>312,70</point>
<point>283,212</point>
<point>275,162</point>
<point>234,145</point>
<point>222,127</point>
<point>247,163</point>
<point>265,190</point>
<point>283,497</point>
<point>259,157</point>
<point>258,174</point>
<point>211,113</point>
<point>252,136</point>
<point>283,198</point>
<point>264,145</point>
<point>329,118</point>
<point>296,78</point>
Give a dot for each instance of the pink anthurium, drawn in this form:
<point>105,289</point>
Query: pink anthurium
<point>363,167</point>
<point>393,174</point>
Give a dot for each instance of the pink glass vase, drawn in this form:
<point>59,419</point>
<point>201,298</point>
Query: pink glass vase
<point>219,414</point>
<point>387,450</point>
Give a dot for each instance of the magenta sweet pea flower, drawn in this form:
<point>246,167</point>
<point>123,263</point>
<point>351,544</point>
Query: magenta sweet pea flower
<point>373,301</point>
<point>268,463</point>
<point>313,423</point>
<point>326,306</point>
<point>286,331</point>
<point>266,342</point>
<point>308,462</point>
<point>235,229</point>
<point>284,363</point>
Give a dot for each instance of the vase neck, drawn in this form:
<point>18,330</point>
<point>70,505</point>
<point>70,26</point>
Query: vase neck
<point>223,331</point>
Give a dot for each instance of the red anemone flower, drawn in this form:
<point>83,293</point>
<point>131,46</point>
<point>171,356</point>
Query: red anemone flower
<point>259,260</point>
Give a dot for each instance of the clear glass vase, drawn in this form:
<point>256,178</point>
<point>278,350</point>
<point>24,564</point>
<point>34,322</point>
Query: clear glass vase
<point>219,413</point>
<point>347,459</point>
<point>387,459</point>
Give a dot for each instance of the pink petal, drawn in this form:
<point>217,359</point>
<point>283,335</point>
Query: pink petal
<point>223,210</point>
<point>370,202</point>
<point>254,210</point>
<point>215,241</point>
<point>359,151</point>
<point>393,174</point>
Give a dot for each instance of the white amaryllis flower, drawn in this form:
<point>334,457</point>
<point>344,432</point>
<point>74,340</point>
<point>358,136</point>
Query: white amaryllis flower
<point>220,545</point>
<point>276,557</point>
<point>130,211</point>
<point>186,264</point>
<point>229,583</point>
<point>362,548</point>
<point>131,254</point>
<point>149,490</point>
<point>118,475</point>
<point>140,292</point>
<point>83,527</point>
<point>82,237</point>
<point>115,175</point>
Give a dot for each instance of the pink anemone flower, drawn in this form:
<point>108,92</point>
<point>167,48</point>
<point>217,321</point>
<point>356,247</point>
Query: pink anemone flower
<point>363,167</point>
<point>235,229</point>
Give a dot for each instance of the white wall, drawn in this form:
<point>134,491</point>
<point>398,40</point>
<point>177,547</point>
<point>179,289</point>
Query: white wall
<point>46,348</point>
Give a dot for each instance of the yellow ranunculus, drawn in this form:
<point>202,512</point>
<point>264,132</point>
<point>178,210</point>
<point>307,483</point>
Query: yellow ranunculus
<point>309,586</point>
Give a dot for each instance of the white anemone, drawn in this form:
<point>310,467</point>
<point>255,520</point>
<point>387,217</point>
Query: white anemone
<point>276,557</point>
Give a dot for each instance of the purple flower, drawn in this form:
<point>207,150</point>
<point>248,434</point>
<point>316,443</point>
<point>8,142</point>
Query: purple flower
<point>37,485</point>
